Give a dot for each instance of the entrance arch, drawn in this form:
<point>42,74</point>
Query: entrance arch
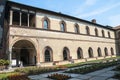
<point>24,51</point>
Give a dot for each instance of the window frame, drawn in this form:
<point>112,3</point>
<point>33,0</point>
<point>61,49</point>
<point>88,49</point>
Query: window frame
<point>87,30</point>
<point>76,28</point>
<point>63,29</point>
<point>48,23</point>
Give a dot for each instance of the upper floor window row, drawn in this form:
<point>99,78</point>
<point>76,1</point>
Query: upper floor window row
<point>63,28</point>
<point>24,19</point>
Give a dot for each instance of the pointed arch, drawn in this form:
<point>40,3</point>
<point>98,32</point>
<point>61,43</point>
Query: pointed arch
<point>79,53</point>
<point>87,30</point>
<point>112,51</point>
<point>90,52</point>
<point>96,32</point>
<point>106,51</point>
<point>63,26</point>
<point>103,33</point>
<point>48,54</point>
<point>76,26</point>
<point>99,52</point>
<point>46,23</point>
<point>66,53</point>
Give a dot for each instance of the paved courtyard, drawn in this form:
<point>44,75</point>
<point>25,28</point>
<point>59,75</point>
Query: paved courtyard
<point>104,74</point>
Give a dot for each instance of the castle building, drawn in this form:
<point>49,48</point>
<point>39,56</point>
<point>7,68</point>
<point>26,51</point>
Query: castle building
<point>41,37</point>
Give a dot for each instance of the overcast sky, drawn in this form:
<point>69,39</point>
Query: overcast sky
<point>106,12</point>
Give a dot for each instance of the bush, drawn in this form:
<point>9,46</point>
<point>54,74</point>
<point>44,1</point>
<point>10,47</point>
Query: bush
<point>4,62</point>
<point>57,76</point>
<point>36,70</point>
<point>93,67</point>
<point>18,77</point>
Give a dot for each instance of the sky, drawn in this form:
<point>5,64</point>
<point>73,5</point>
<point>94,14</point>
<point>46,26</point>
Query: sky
<point>106,12</point>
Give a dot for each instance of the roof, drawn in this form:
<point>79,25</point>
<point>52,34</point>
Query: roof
<point>59,14</point>
<point>117,27</point>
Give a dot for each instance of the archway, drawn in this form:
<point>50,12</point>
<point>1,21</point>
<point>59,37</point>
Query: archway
<point>23,51</point>
<point>106,51</point>
<point>99,52</point>
<point>90,52</point>
<point>48,54</point>
<point>79,53</point>
<point>66,53</point>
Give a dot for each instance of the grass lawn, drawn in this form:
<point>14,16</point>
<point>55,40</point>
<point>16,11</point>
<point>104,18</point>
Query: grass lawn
<point>4,75</point>
<point>93,67</point>
<point>90,62</point>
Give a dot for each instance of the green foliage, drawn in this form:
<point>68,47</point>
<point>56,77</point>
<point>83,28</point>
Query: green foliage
<point>36,70</point>
<point>4,76</point>
<point>4,62</point>
<point>92,67</point>
<point>91,62</point>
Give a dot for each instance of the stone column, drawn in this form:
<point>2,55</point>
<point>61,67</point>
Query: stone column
<point>20,19</point>
<point>11,17</point>
<point>10,57</point>
<point>28,20</point>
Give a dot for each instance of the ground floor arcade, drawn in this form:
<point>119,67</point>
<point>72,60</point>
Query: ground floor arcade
<point>30,53</point>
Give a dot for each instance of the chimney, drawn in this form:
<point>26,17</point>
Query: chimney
<point>93,20</point>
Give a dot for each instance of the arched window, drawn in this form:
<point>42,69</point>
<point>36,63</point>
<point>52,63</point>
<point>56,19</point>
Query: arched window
<point>87,30</point>
<point>96,32</point>
<point>63,26</point>
<point>99,52</point>
<point>66,54</point>
<point>106,51</point>
<point>112,51</point>
<point>103,33</point>
<point>109,34</point>
<point>46,23</point>
<point>48,54</point>
<point>90,52</point>
<point>77,28</point>
<point>79,53</point>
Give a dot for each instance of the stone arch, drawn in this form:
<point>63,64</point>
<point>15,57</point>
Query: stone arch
<point>112,51</point>
<point>48,22</point>
<point>63,26</point>
<point>87,30</point>
<point>90,52</point>
<point>48,54</point>
<point>103,33</point>
<point>76,27</point>
<point>106,51</point>
<point>99,52</point>
<point>24,51</point>
<point>79,53</point>
<point>96,32</point>
<point>66,53</point>
<point>18,39</point>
